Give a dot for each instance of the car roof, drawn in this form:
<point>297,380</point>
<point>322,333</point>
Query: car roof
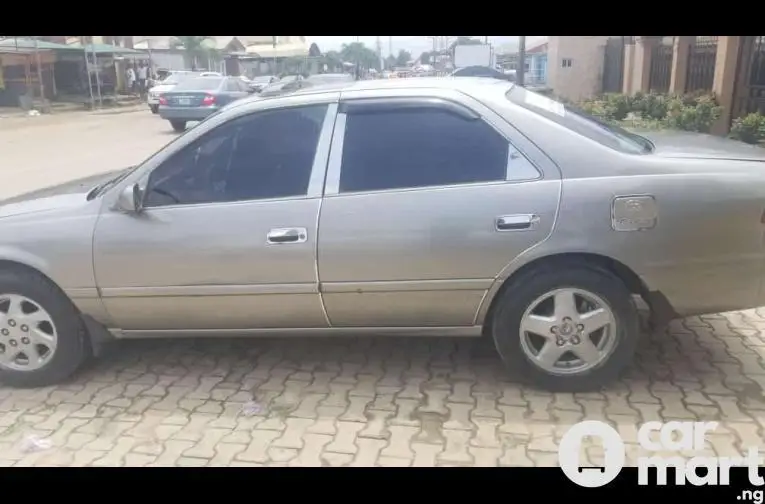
<point>468,85</point>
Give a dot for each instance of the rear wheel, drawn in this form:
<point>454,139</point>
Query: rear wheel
<point>178,125</point>
<point>42,338</point>
<point>154,108</point>
<point>573,328</point>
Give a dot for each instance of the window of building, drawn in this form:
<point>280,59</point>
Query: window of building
<point>566,63</point>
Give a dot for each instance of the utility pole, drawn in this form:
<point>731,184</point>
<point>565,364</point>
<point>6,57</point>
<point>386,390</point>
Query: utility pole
<point>390,46</point>
<point>40,76</point>
<point>379,54</point>
<point>87,71</point>
<point>521,68</point>
<point>98,79</point>
<point>275,60</point>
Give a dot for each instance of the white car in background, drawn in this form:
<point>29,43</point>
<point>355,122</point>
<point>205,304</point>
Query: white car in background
<point>172,80</point>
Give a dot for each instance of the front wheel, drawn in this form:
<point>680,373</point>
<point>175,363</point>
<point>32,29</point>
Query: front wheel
<point>178,126</point>
<point>42,338</point>
<point>571,328</point>
<point>154,108</point>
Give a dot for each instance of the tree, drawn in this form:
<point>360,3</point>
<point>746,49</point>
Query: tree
<point>425,58</point>
<point>403,57</point>
<point>333,60</point>
<point>390,62</point>
<point>360,54</point>
<point>196,48</point>
<point>314,51</point>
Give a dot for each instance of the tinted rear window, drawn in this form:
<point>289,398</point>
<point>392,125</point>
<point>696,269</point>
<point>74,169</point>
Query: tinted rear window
<point>579,122</point>
<point>199,84</point>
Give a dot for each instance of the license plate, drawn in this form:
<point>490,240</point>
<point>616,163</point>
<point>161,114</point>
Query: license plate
<point>184,101</point>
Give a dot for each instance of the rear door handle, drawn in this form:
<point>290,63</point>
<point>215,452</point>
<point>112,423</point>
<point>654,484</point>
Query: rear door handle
<point>519,222</point>
<point>287,235</point>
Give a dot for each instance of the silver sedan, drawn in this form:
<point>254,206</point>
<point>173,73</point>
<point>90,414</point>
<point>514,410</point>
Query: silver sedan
<point>462,207</point>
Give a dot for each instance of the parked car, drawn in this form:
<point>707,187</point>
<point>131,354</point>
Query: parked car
<point>169,82</point>
<point>261,81</point>
<point>483,71</point>
<point>195,99</point>
<point>435,206</point>
<point>286,84</point>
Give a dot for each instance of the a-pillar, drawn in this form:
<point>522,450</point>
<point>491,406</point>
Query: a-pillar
<point>637,65</point>
<point>681,53</point>
<point>724,84</point>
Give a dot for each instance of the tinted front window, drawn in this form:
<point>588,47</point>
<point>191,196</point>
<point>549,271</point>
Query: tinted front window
<point>261,156</point>
<point>419,148</point>
<point>575,120</point>
<point>199,84</point>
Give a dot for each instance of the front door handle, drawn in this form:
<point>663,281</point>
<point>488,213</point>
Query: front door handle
<point>519,222</point>
<point>287,235</point>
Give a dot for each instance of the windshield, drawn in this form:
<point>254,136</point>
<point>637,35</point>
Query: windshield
<point>572,118</point>
<point>199,84</point>
<point>172,79</point>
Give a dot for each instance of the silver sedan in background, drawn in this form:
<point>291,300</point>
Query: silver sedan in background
<point>441,207</point>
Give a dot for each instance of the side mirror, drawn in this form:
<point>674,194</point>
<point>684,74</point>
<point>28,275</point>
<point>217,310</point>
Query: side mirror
<point>129,200</point>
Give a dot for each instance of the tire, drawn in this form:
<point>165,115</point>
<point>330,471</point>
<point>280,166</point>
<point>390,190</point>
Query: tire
<point>71,343</point>
<point>179,126</point>
<point>520,296</point>
<point>154,109</point>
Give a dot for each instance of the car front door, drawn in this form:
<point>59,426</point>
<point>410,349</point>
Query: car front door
<point>427,200</point>
<point>226,239</point>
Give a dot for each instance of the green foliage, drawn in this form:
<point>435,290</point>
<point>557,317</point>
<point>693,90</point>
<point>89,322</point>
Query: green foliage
<point>696,112</point>
<point>698,116</point>
<point>749,129</point>
<point>358,53</point>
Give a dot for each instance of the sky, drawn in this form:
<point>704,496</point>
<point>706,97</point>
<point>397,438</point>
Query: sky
<point>414,44</point>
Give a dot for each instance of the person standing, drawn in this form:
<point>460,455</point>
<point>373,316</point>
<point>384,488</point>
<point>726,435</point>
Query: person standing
<point>130,77</point>
<point>143,72</point>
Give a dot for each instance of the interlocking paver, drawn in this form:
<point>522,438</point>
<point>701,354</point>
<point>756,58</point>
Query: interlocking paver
<point>181,403</point>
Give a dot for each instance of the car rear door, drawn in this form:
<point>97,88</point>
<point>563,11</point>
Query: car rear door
<point>426,201</point>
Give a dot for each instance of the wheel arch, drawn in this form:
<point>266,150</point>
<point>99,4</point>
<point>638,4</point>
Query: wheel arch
<point>631,280</point>
<point>34,267</point>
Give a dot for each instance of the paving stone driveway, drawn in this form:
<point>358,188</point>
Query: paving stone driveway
<point>373,402</point>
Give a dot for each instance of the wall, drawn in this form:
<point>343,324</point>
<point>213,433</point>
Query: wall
<point>584,78</point>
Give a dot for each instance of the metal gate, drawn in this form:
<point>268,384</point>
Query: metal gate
<point>750,91</point>
<point>661,66</point>
<point>701,64</point>
<point>613,65</point>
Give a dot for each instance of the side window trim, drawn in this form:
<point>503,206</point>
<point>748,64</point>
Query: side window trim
<point>369,105</point>
<point>318,167</point>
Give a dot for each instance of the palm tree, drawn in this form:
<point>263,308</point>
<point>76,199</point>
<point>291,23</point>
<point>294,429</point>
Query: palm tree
<point>194,47</point>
